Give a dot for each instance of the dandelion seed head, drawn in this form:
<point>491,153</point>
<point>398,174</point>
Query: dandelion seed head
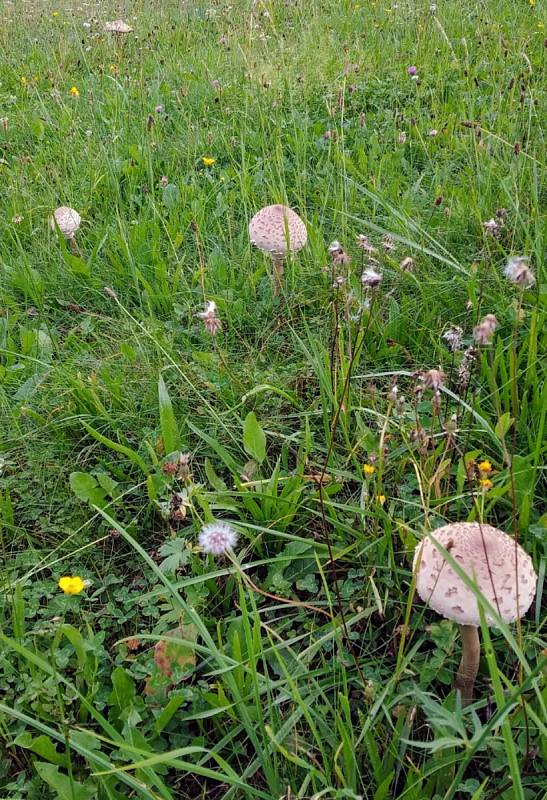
<point>217,538</point>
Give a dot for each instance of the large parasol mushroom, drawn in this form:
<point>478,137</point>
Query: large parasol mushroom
<point>501,571</point>
<point>277,230</point>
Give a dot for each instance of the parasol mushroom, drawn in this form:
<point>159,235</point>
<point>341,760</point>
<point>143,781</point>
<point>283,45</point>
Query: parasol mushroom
<point>501,571</point>
<point>277,230</point>
<point>118,26</point>
<point>68,221</point>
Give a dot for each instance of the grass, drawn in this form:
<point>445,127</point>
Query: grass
<point>302,665</point>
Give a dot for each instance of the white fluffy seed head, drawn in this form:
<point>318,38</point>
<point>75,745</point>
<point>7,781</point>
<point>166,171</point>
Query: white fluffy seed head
<point>217,538</point>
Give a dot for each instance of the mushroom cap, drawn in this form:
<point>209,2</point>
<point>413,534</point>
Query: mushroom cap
<point>489,557</point>
<point>118,26</point>
<point>277,230</point>
<point>68,221</point>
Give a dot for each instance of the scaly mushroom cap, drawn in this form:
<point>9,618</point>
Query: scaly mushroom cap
<point>277,230</point>
<point>118,26</point>
<point>490,558</point>
<point>68,221</point>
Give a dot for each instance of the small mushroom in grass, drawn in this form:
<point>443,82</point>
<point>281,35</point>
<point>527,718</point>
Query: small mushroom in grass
<point>501,570</point>
<point>278,231</point>
<point>118,26</point>
<point>68,221</point>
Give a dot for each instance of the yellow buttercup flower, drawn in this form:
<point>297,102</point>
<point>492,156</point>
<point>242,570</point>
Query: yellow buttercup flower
<point>74,92</point>
<point>71,584</point>
<point>369,470</point>
<point>381,498</point>
<point>208,161</point>
<point>486,484</point>
<point>485,467</point>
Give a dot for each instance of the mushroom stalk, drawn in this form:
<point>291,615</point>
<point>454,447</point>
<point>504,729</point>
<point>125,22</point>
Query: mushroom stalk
<point>469,665</point>
<point>277,274</point>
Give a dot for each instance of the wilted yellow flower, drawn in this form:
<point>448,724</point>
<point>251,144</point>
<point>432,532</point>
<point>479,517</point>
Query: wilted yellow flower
<point>208,161</point>
<point>486,484</point>
<point>71,584</point>
<point>485,467</point>
<point>369,469</point>
<point>381,498</point>
<point>73,92</point>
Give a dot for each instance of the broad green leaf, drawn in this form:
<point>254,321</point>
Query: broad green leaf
<point>64,787</point>
<point>86,488</point>
<point>123,689</point>
<point>119,448</point>
<point>216,482</point>
<point>42,745</point>
<point>254,438</point>
<point>503,424</point>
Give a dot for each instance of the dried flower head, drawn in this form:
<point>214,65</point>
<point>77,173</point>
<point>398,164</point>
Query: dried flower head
<point>393,394</point>
<point>338,255</point>
<point>518,271</point>
<point>433,379</point>
<point>484,331</point>
<point>388,242</point>
<point>407,264</point>
<point>464,370</point>
<point>370,278</point>
<point>217,538</point>
<point>211,322</point>
<point>453,338</point>
<point>412,71</point>
<point>365,245</point>
<point>401,138</point>
<point>491,227</point>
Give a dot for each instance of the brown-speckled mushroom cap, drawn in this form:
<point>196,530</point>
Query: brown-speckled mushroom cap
<point>277,230</point>
<point>488,556</point>
<point>68,221</point>
<point>118,26</point>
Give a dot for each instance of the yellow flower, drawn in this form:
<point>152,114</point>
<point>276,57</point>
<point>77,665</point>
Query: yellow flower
<point>55,14</point>
<point>532,2</point>
<point>485,467</point>
<point>486,484</point>
<point>541,25</point>
<point>208,161</point>
<point>23,80</point>
<point>381,498</point>
<point>369,469</point>
<point>74,92</point>
<point>71,584</point>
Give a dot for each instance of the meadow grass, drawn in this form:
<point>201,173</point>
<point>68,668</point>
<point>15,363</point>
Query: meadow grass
<point>302,665</point>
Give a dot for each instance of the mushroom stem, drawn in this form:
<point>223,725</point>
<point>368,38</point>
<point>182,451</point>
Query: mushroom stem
<point>469,665</point>
<point>277,274</point>
<point>73,246</point>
